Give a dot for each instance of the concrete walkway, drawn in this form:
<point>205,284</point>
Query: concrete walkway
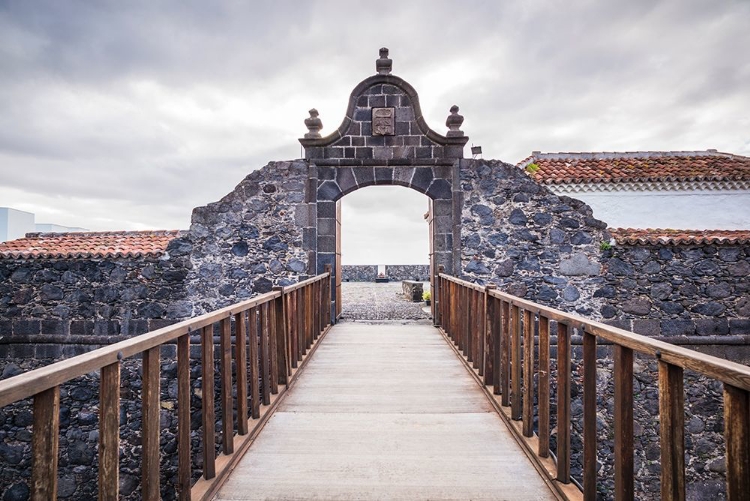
<point>385,412</point>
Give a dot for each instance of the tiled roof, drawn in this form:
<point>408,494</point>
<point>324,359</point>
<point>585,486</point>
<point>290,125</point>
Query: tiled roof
<point>632,236</point>
<point>638,166</point>
<point>105,244</point>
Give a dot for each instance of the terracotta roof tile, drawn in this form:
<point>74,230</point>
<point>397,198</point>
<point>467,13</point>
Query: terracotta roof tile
<point>107,244</point>
<point>639,166</point>
<point>650,236</point>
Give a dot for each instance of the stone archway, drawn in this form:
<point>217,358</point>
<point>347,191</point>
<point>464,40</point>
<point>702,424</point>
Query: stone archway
<point>383,140</point>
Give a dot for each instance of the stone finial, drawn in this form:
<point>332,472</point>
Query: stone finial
<point>384,65</point>
<point>313,125</point>
<point>453,122</point>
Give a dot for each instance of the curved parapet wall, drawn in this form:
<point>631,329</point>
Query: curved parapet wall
<point>384,126</point>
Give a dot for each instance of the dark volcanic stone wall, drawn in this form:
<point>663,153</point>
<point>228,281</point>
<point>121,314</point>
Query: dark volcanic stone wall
<point>82,303</point>
<point>678,290</point>
<point>530,242</point>
<point>394,272</point>
<point>250,240</point>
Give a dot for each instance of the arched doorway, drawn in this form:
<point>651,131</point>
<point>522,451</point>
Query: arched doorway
<point>383,140</point>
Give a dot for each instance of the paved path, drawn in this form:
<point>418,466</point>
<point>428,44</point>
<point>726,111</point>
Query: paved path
<point>368,301</point>
<point>385,412</point>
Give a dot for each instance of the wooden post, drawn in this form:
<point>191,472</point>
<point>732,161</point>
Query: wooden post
<point>563,403</point>
<point>737,435</point>
<point>183,418</point>
<point>589,417</point>
<point>44,445</point>
<point>150,422</point>
<point>515,363</point>
<point>490,347</point>
<point>528,373</point>
<point>505,325</point>
<point>623,423</point>
<point>227,419</point>
<point>672,432</point>
<point>207,404</point>
<point>543,387</point>
<point>254,361</point>
<point>264,361</point>
<point>282,344</point>
<point>109,432</point>
<point>273,349</point>
<point>327,268</point>
<point>437,297</point>
<point>240,357</point>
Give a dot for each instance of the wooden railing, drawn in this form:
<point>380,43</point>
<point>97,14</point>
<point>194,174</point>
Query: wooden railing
<point>272,335</point>
<point>496,334</point>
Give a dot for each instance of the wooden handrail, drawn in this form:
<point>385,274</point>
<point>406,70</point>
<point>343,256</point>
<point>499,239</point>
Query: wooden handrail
<point>279,329</point>
<point>514,327</point>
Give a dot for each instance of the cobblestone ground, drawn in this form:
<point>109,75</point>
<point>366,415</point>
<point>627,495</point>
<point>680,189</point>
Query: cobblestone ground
<point>368,301</point>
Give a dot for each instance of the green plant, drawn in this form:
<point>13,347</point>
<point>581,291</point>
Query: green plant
<point>426,295</point>
<point>605,246</point>
<point>532,168</point>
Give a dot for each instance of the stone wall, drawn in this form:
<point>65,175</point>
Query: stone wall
<point>677,290</point>
<point>530,242</point>
<point>61,307</point>
<point>252,239</point>
<point>394,272</point>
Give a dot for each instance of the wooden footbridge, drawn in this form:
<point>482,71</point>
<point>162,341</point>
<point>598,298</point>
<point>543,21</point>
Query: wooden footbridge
<point>307,410</point>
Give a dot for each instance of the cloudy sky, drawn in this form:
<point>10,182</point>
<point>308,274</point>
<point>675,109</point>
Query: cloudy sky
<point>126,115</point>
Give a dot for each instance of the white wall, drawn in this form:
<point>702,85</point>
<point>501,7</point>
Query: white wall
<point>689,210</point>
<point>15,223</point>
<point>56,228</point>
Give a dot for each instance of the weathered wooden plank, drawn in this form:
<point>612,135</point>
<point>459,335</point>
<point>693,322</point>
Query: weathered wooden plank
<point>624,483</point>
<point>481,331</point>
<point>515,363</point>
<point>300,309</point>
<point>672,432</point>
<point>589,417</point>
<point>264,359</point>
<point>291,313</point>
<point>183,418</point>
<point>505,354</point>
<point>150,412</point>
<point>737,435</point>
<point>254,361</point>
<point>563,403</point>
<point>44,445</point>
<point>240,357</point>
<point>109,432</point>
<point>282,337</point>
<point>528,373</point>
<point>543,449</point>
<point>207,402</point>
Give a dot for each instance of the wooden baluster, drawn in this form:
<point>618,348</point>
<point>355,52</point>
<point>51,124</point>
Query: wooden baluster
<point>227,421</point>
<point>490,365</point>
<point>240,357</point>
<point>45,444</point>
<point>254,361</point>
<point>505,353</point>
<point>528,373</point>
<point>207,392</point>
<point>300,305</point>
<point>543,450</point>
<point>672,432</point>
<point>623,423</point>
<point>515,363</point>
<point>563,403</point>
<point>453,307</point>
<point>273,349</point>
<point>482,332</point>
<point>589,417</point>
<point>109,432</point>
<point>264,361</point>
<point>282,345</point>
<point>477,338</point>
<point>737,435</point>
<point>466,323</point>
<point>150,412</point>
<point>293,337</point>
<point>183,418</point>
<point>310,307</point>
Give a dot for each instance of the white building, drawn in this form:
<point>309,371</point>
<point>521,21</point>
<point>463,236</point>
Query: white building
<point>693,190</point>
<point>16,224</point>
